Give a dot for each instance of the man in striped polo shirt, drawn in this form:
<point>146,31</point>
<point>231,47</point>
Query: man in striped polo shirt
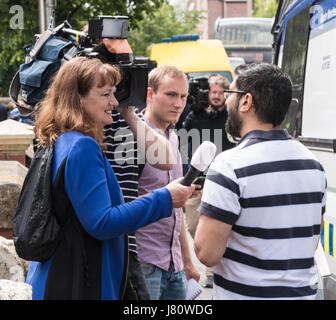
<point>263,200</point>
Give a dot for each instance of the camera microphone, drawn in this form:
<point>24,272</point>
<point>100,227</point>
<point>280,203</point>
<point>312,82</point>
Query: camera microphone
<point>200,161</point>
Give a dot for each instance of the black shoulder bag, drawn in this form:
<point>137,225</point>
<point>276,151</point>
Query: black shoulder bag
<point>35,227</point>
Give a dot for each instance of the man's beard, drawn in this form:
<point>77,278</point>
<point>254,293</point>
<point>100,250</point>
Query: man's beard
<point>234,123</point>
<point>217,106</point>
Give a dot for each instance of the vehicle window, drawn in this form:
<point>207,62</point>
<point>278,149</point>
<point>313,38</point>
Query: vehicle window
<point>251,54</point>
<point>245,33</point>
<point>250,38</point>
<point>293,62</point>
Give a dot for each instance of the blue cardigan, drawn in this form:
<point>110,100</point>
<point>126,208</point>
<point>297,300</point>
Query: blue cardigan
<point>97,200</point>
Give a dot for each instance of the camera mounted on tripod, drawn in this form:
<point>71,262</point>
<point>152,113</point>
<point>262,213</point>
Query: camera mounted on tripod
<point>106,39</point>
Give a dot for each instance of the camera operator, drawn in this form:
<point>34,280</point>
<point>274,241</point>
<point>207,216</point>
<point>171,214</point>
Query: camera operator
<point>213,115</point>
<point>123,130</point>
<point>210,115</point>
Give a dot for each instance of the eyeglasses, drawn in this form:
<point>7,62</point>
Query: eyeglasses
<point>228,92</point>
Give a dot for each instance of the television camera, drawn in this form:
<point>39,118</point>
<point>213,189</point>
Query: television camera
<point>198,94</point>
<point>105,39</point>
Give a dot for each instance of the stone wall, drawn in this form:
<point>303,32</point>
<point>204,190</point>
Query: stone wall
<point>15,139</point>
<point>12,175</point>
<point>13,272</point>
<point>13,269</point>
<point>9,196</point>
<point>11,290</point>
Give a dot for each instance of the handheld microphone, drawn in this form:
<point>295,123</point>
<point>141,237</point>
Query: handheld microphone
<point>200,161</point>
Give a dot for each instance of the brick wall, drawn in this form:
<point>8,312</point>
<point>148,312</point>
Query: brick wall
<point>215,10</point>
<point>238,9</point>
<point>15,157</point>
<point>220,8</point>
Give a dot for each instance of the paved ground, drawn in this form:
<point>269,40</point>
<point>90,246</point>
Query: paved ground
<point>207,293</point>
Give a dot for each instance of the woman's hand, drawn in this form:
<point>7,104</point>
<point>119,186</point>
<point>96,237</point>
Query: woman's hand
<point>179,193</point>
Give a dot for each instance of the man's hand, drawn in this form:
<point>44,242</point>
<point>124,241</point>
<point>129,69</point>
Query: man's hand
<point>127,113</point>
<point>191,272</point>
<point>198,191</point>
<point>179,193</point>
<point>160,156</point>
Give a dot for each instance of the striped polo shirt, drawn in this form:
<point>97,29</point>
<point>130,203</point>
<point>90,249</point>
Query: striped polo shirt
<point>272,190</point>
<point>122,154</point>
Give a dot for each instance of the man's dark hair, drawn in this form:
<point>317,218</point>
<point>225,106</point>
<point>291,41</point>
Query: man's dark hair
<point>241,68</point>
<point>270,87</point>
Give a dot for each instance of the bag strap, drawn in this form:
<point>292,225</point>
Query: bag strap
<point>45,36</point>
<point>14,89</point>
<point>62,203</point>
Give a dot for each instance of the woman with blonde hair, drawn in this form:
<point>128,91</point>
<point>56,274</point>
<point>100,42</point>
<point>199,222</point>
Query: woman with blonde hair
<point>90,261</point>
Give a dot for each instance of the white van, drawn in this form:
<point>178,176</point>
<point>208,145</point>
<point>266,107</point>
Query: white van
<point>305,47</point>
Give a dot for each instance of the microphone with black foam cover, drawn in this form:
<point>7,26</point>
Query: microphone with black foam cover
<point>200,161</point>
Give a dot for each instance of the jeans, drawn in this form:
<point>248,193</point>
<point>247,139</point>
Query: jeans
<point>164,285</point>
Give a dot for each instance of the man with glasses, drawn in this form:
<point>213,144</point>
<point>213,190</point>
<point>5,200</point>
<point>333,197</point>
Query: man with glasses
<point>210,124</point>
<point>263,200</point>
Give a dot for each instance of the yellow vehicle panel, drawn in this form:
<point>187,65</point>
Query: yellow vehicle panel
<point>192,56</point>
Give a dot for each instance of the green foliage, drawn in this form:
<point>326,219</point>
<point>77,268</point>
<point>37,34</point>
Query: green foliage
<point>164,23</point>
<point>264,9</point>
<point>12,41</point>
